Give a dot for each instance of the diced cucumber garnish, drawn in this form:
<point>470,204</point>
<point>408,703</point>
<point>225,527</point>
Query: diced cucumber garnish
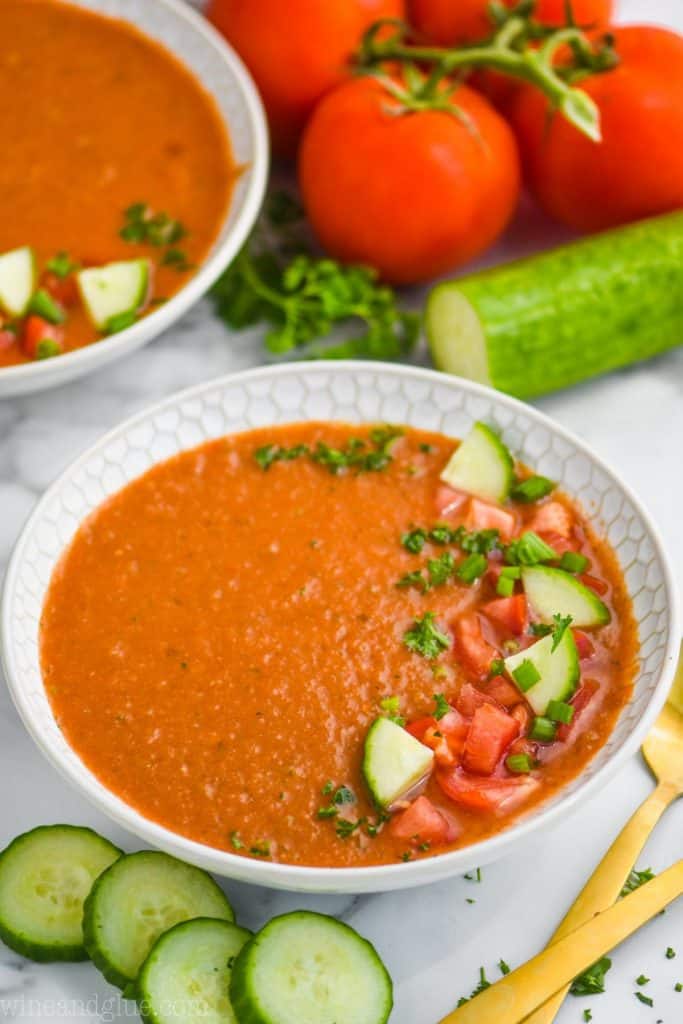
<point>17,280</point>
<point>45,876</point>
<point>393,761</point>
<point>306,968</point>
<point>186,976</point>
<point>113,290</point>
<point>481,465</point>
<point>556,592</point>
<point>556,673</point>
<point>130,907</point>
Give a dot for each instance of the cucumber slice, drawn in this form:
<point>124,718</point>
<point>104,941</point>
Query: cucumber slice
<point>556,592</point>
<point>558,670</point>
<point>393,761</point>
<point>17,280</point>
<point>186,977</point>
<point>530,327</point>
<point>45,875</point>
<point>306,968</point>
<point>138,898</point>
<point>481,465</point>
<point>114,289</point>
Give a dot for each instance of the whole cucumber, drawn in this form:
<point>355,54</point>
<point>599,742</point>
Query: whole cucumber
<point>548,321</point>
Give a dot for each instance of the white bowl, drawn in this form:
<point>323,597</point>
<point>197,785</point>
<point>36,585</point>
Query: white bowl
<point>216,65</point>
<point>351,392</point>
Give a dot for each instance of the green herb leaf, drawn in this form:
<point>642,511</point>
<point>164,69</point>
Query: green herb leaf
<point>497,667</point>
<point>533,488</point>
<point>592,981</point>
<point>47,348</point>
<point>540,629</point>
<point>177,259</point>
<point>392,707</point>
<point>442,706</point>
<point>670,953</point>
<point>61,265</point>
<point>143,225</point>
<point>413,579</point>
<point>503,967</point>
<point>236,841</point>
<point>441,569</point>
<point>414,540</point>
<point>644,999</point>
<point>425,638</point>
<point>642,980</point>
<point>562,623</point>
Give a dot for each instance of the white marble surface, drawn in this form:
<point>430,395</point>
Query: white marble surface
<point>432,939</point>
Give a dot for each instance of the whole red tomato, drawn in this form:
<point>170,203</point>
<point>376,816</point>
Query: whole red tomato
<point>296,50</point>
<point>451,22</point>
<point>637,169</point>
<point>411,193</point>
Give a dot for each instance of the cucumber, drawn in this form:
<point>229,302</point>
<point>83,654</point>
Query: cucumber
<point>17,280</point>
<point>558,670</point>
<point>114,289</point>
<point>393,761</point>
<point>481,465</point>
<point>551,320</point>
<point>306,968</point>
<point>556,592</point>
<point>134,901</point>
<point>45,875</point>
<point>186,976</point>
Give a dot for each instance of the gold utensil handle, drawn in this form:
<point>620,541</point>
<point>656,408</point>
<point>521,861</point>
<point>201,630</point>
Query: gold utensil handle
<point>515,996</point>
<point>605,884</point>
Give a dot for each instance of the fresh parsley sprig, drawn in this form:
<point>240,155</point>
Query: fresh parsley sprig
<point>425,638</point>
<point>369,456</point>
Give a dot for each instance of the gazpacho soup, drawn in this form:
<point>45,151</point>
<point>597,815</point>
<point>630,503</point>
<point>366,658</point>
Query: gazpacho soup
<point>326,644</point>
<point>119,178</point>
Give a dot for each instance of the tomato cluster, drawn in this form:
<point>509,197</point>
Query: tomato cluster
<point>416,191</point>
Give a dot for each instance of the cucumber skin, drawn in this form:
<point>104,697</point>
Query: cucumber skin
<point>90,939</point>
<point>246,1011</point>
<point>583,309</point>
<point>145,1008</point>
<point>30,950</point>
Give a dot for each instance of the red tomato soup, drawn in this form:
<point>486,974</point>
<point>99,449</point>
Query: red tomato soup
<point>117,153</point>
<point>261,641</point>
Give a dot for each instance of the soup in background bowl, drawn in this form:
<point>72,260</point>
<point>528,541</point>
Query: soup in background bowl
<point>242,630</point>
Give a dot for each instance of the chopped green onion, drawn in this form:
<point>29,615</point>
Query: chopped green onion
<point>512,572</point>
<point>42,304</point>
<point>572,561</point>
<point>61,265</point>
<point>120,322</point>
<point>670,953</point>
<point>678,987</point>
<point>472,568</point>
<point>520,764</point>
<point>497,667</point>
<point>532,489</point>
<point>642,980</point>
<point>559,711</point>
<point>47,348</point>
<point>644,999</point>
<point>505,586</point>
<point>503,967</point>
<point>542,730</point>
<point>327,812</point>
<point>529,549</point>
<point>526,675</point>
<point>587,1016</point>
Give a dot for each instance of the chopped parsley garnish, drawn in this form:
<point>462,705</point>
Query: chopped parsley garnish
<point>476,877</point>
<point>440,569</point>
<point>143,226</point>
<point>636,879</point>
<point>479,542</point>
<point>497,667</point>
<point>344,795</point>
<point>442,706</point>
<point>345,827</point>
<point>413,579</point>
<point>177,259</point>
<point>529,549</point>
<point>261,849</point>
<point>503,967</point>
<point>236,841</point>
<point>642,980</point>
<point>356,455</point>
<point>670,953</point>
<point>414,540</point>
<point>328,812</point>
<point>644,999</point>
<point>61,265</point>
<point>392,707</point>
<point>328,787</point>
<point>532,489</point>
<point>425,638</point>
<point>271,453</point>
<point>562,623</point>
<point>592,981</point>
<point>484,983</point>
<point>406,856</point>
<point>587,1016</point>
<point>540,629</point>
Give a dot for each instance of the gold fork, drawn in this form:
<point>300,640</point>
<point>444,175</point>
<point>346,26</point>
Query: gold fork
<point>663,752</point>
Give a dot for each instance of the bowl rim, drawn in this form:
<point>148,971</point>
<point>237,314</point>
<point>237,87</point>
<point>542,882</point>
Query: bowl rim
<point>312,879</point>
<point>90,357</point>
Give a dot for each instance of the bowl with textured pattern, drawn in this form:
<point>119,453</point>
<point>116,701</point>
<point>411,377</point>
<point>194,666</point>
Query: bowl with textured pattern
<point>350,392</point>
<point>188,36</point>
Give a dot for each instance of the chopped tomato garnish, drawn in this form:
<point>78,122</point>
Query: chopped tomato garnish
<point>503,691</point>
<point>7,338</point>
<point>435,739</point>
<point>449,501</point>
<point>524,746</point>
<point>445,735</point>
<point>471,649</point>
<point>522,716</point>
<point>63,289</point>
<point>497,795</point>
<point>422,823</point>
<point>482,516</point>
<point>552,518</point>
<point>491,732</point>
<point>419,727</point>
<point>509,612</point>
<point>37,329</point>
<point>582,697</point>
<point>599,586</point>
<point>584,644</point>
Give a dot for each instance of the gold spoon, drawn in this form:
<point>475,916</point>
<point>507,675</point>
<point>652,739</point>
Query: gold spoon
<point>663,752</point>
<point>512,998</point>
